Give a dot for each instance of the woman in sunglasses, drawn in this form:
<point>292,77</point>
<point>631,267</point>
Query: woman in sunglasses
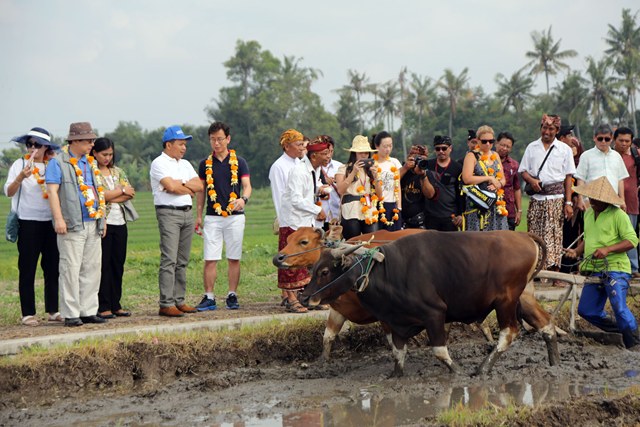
<point>482,167</point>
<point>36,236</point>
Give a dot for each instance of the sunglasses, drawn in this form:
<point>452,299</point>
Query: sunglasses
<point>487,141</point>
<point>603,139</point>
<point>33,144</point>
<point>441,148</point>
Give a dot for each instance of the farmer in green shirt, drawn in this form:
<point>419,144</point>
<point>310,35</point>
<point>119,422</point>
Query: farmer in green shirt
<point>608,235</point>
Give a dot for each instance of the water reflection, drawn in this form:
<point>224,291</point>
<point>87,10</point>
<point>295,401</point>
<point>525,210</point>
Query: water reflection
<point>372,410</point>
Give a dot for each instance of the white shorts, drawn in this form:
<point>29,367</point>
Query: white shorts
<point>218,229</point>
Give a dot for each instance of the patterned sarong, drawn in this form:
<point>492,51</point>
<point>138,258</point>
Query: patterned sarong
<point>545,218</point>
<point>293,278</point>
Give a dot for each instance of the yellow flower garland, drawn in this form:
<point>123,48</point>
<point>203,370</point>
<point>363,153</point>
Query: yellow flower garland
<point>488,162</point>
<point>36,174</point>
<point>93,213</point>
<point>396,192</point>
<point>211,191</point>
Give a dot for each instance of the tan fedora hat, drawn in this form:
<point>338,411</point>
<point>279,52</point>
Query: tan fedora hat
<point>599,189</point>
<point>361,144</point>
<point>80,130</point>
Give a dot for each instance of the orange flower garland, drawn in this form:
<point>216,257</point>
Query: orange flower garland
<point>489,161</point>
<point>211,191</point>
<point>396,191</point>
<point>36,174</point>
<point>93,213</point>
<point>370,215</point>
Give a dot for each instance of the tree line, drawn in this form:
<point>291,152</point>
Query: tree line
<point>267,95</point>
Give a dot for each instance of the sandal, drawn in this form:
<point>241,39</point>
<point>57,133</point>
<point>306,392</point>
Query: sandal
<point>30,321</point>
<point>55,317</point>
<point>295,307</point>
<point>122,313</point>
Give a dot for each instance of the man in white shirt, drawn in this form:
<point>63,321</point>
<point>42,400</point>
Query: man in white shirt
<point>174,182</point>
<point>552,182</point>
<point>601,160</point>
<point>299,208</point>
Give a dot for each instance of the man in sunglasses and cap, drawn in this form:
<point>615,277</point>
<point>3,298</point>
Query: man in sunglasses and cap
<point>602,160</point>
<point>608,235</point>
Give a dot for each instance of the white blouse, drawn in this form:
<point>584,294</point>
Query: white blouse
<point>33,206</point>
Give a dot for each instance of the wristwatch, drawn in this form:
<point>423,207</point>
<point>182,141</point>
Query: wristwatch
<point>246,199</point>
<point>184,182</point>
<point>568,203</point>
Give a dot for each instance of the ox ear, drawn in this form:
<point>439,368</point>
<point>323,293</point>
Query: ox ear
<point>320,232</point>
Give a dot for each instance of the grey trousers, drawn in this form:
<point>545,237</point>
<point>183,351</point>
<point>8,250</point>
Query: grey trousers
<point>80,265</point>
<point>176,232</point>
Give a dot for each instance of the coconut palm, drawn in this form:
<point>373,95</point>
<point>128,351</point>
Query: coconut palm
<point>453,86</point>
<point>624,45</point>
<point>603,89</point>
<point>422,95</point>
<point>515,91</point>
<point>546,56</point>
<point>359,84</point>
<point>573,99</point>
<point>388,94</point>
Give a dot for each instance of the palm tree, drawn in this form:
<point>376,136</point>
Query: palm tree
<point>573,96</point>
<point>547,57</point>
<point>603,89</point>
<point>422,94</point>
<point>402,81</point>
<point>624,45</point>
<point>359,84</point>
<point>388,104</point>
<point>453,86</point>
<point>515,91</point>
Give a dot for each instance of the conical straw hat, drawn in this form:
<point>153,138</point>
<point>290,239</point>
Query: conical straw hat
<point>599,189</point>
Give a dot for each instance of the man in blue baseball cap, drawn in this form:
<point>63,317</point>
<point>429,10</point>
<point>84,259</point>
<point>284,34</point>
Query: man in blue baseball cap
<point>174,182</point>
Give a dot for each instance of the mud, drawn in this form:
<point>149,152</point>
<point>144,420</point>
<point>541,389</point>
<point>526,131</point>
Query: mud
<point>271,377</point>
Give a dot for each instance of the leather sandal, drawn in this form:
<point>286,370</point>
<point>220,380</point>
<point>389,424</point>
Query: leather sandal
<point>29,321</point>
<point>296,307</point>
<point>122,313</point>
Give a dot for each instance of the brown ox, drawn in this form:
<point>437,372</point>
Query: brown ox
<point>303,250</point>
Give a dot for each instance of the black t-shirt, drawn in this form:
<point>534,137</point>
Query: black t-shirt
<point>222,181</point>
<point>412,197</point>
<point>447,200</point>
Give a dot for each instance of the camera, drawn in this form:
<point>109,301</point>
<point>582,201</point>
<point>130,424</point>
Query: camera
<point>421,162</point>
<point>367,163</point>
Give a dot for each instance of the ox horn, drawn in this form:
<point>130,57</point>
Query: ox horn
<point>320,231</point>
<point>345,249</point>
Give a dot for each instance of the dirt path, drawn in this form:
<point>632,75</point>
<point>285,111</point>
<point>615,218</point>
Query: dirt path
<point>276,381</point>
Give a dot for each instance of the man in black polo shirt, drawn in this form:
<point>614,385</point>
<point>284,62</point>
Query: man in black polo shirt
<point>443,211</point>
<point>227,189</point>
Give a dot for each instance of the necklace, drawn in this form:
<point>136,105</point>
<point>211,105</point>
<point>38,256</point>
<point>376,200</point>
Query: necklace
<point>368,202</point>
<point>39,179</point>
<point>211,190</point>
<point>396,193</point>
<point>491,167</point>
<point>90,204</point>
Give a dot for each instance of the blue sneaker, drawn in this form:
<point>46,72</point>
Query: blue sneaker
<point>207,304</point>
<point>232,302</point>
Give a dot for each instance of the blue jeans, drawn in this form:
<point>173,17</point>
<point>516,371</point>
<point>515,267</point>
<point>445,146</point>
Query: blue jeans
<point>594,296</point>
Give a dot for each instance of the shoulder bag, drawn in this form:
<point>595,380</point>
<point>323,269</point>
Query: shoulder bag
<point>13,224</point>
<point>528,188</point>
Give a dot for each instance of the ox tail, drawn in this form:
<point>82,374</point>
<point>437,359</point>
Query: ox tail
<point>542,254</point>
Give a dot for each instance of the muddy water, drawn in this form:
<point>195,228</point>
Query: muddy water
<point>354,389</point>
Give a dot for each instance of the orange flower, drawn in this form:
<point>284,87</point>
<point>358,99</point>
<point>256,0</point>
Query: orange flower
<point>224,214</point>
<point>494,157</point>
<point>84,187</point>
<point>363,200</point>
<point>491,171</point>
<point>393,169</point>
<point>395,210</point>
<point>367,221</point>
<point>90,159</point>
<point>379,170</point>
<point>365,209</point>
<point>46,196</point>
<point>382,210</point>
<point>375,157</point>
<point>41,181</point>
<point>216,206</point>
<point>360,189</point>
<point>100,189</point>
<point>231,206</point>
<point>78,172</point>
<point>92,214</point>
<point>499,175</point>
<point>27,156</point>
<point>233,195</point>
<point>484,157</point>
<point>208,172</point>
<point>374,213</point>
<point>477,148</point>
<point>233,167</point>
<point>96,172</point>
<point>73,161</point>
<point>211,193</point>
<point>88,203</point>
<point>208,162</point>
<point>383,219</point>
<point>500,192</point>
<point>36,170</point>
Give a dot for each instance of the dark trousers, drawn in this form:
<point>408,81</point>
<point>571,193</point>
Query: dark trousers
<point>389,213</point>
<point>114,254</point>
<point>440,224</point>
<point>37,238</point>
<point>355,227</point>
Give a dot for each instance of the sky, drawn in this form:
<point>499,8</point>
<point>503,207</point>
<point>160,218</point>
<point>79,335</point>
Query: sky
<point>160,62</point>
